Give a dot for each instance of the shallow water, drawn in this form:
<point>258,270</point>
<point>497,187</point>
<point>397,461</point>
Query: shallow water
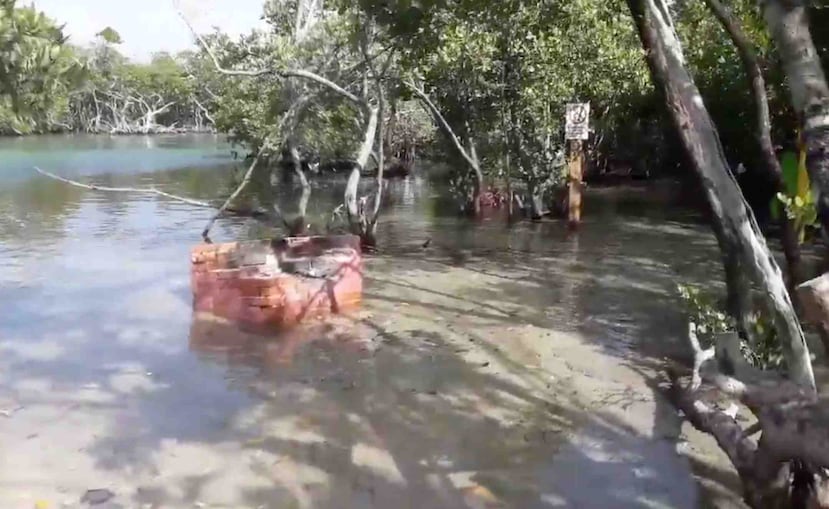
<point>490,367</point>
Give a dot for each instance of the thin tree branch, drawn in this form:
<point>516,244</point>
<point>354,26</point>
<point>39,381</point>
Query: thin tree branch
<point>235,194</point>
<point>147,190</point>
<point>255,214</point>
<point>284,73</point>
<point>443,124</point>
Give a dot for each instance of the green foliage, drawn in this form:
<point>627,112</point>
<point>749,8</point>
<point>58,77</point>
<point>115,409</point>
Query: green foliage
<point>37,70</point>
<point>48,85</point>
<point>802,210</point>
<point>110,36</point>
<point>704,310</point>
<point>798,201</point>
<point>252,110</point>
<point>502,73</point>
<point>766,352</point>
<point>719,74</point>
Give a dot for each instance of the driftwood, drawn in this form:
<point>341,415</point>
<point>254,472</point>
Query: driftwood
<point>145,190</point>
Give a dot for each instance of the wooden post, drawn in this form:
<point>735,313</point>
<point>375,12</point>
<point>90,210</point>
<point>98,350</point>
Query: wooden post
<point>577,129</point>
<point>575,166</point>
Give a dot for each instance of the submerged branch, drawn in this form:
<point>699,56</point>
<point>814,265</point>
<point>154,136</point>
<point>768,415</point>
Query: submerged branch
<point>254,214</point>
<point>145,190</point>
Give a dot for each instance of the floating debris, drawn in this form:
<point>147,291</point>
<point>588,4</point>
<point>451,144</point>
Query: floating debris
<point>97,496</point>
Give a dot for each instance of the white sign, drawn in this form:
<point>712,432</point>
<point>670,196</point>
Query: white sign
<point>577,126</point>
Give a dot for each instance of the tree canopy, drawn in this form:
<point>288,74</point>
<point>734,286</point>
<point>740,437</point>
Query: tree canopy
<point>37,69</point>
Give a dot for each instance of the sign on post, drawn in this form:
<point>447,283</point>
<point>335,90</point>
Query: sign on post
<point>577,125</point>
<point>576,130</point>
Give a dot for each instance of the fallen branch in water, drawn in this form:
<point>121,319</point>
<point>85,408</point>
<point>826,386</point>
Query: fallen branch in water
<point>270,217</point>
<point>145,190</point>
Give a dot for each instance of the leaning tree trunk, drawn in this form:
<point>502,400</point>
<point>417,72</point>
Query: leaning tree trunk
<point>370,233</point>
<point>299,226</point>
<point>474,206</point>
<point>762,134</point>
<point>733,222</point>
<point>355,208</point>
<point>788,23</point>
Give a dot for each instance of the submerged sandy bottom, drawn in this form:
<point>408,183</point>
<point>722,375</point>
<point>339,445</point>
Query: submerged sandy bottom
<point>462,383</point>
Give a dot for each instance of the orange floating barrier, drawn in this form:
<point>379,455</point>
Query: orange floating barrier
<point>277,283</point>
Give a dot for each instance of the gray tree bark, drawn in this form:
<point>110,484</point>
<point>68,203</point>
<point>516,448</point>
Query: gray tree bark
<point>354,208</point>
<point>733,222</point>
<point>299,226</point>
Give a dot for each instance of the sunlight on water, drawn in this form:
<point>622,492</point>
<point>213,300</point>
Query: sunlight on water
<point>96,315</point>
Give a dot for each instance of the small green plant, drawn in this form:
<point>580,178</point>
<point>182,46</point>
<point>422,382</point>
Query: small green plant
<point>766,352</point>
<point>801,210</point>
<point>704,311</point>
<point>707,313</point>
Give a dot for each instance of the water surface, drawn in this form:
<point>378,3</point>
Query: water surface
<point>491,366</point>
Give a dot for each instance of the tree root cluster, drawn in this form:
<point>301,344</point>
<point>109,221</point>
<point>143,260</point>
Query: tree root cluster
<point>784,466</point>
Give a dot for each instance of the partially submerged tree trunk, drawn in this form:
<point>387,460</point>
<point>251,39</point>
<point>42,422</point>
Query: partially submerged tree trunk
<point>536,201</point>
<point>788,23</point>
<point>733,222</point>
<point>355,207</point>
<point>370,235</point>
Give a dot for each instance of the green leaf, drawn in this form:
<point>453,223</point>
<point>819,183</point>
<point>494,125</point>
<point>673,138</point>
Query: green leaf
<point>789,165</point>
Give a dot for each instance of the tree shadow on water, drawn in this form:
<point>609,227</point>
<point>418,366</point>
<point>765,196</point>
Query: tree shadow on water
<point>410,404</point>
<point>615,291</point>
<point>363,416</point>
<point>392,417</point>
